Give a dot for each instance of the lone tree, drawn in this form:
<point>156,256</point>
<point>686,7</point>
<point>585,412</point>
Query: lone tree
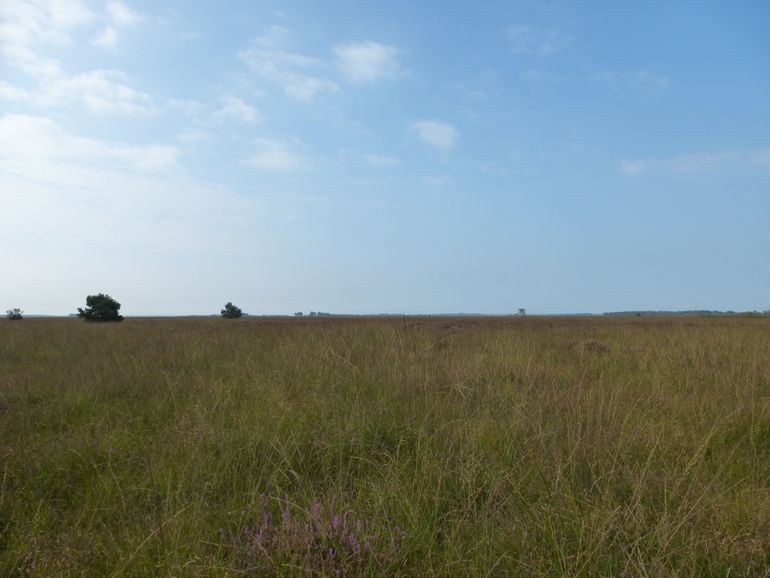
<point>231,311</point>
<point>100,307</point>
<point>15,314</point>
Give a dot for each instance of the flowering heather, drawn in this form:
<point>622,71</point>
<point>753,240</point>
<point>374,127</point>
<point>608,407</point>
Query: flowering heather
<point>318,540</point>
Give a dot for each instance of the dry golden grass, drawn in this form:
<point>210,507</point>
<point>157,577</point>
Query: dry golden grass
<point>532,447</point>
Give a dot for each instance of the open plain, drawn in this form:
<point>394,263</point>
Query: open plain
<point>401,446</point>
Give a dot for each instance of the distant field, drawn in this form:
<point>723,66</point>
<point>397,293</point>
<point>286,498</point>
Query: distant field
<point>416,446</point>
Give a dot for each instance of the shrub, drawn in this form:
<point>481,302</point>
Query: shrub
<point>100,307</point>
<point>15,314</point>
<point>231,311</point>
<point>320,541</point>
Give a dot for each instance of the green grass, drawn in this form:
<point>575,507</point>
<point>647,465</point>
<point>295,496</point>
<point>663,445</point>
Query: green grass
<point>531,447</point>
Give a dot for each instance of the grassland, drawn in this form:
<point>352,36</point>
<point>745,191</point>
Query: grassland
<point>522,447</point>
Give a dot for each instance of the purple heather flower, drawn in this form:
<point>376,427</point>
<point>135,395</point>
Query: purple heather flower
<point>286,512</point>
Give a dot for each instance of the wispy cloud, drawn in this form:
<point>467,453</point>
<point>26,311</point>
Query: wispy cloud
<point>633,167</point>
<point>28,28</point>
<point>367,61</point>
<point>118,16</point>
<point>697,162</point>
<point>101,91</point>
<point>192,136</point>
<point>122,15</point>
<point>107,38</point>
<point>277,156</point>
<point>29,139</point>
<point>638,79</point>
<point>190,107</point>
<point>234,108</point>
<point>526,40</point>
<point>269,57</point>
<point>438,134</point>
<point>100,196</point>
<point>28,32</point>
<point>760,157</point>
<point>14,93</point>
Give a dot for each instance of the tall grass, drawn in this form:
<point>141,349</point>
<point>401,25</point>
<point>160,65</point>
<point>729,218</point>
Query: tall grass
<point>531,447</point>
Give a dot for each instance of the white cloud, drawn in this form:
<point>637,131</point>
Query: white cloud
<point>26,140</point>
<point>381,161</point>
<point>48,20</point>
<point>101,91</point>
<point>118,15</point>
<point>530,41</point>
<point>114,209</point>
<point>305,87</point>
<point>13,93</point>
<point>121,15</point>
<point>27,27</point>
<point>436,133</point>
<point>189,107</point>
<point>192,136</point>
<point>269,58</point>
<point>31,28</point>
<point>367,61</point>
<point>277,156</point>
<point>66,13</point>
<point>107,38</point>
<point>234,108</point>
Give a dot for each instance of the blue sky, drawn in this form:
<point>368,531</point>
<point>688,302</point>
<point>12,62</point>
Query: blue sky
<point>405,157</point>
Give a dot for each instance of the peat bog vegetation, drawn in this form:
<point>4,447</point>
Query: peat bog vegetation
<point>361,446</point>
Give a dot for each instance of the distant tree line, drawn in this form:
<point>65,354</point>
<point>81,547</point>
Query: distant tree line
<point>694,312</point>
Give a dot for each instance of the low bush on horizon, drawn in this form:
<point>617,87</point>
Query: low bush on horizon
<point>417,446</point>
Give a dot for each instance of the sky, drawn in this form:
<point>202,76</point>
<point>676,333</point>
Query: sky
<point>385,157</point>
